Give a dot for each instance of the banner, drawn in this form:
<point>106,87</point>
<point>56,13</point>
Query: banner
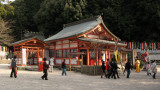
<point>117,56</point>
<point>145,57</point>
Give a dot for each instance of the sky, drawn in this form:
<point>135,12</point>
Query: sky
<point>6,2</point>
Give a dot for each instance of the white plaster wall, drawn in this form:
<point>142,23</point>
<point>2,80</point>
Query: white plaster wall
<point>58,61</point>
<point>59,42</point>
<point>73,45</point>
<point>67,61</point>
<point>65,41</point>
<point>58,46</point>
<point>65,45</point>
<point>73,61</point>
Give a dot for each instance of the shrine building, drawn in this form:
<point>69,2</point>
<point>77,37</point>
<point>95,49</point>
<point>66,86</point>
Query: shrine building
<point>84,42</point>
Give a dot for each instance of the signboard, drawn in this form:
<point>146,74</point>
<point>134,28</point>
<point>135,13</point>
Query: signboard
<point>24,55</point>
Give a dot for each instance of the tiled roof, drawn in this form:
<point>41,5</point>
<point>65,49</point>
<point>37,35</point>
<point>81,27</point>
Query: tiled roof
<point>77,28</point>
<point>36,36</point>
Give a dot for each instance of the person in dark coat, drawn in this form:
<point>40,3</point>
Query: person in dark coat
<point>13,66</point>
<point>127,68</point>
<point>63,68</point>
<point>103,69</point>
<point>112,70</point>
<point>108,68</point>
<point>45,67</point>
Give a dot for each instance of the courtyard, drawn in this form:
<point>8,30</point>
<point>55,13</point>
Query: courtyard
<point>30,80</point>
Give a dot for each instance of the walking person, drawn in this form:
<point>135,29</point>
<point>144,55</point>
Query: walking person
<point>45,67</point>
<point>148,69</point>
<point>63,68</point>
<point>108,68</point>
<point>51,63</point>
<point>127,68</point>
<point>103,69</point>
<point>154,69</point>
<point>111,69</point>
<point>13,66</point>
<point>114,68</point>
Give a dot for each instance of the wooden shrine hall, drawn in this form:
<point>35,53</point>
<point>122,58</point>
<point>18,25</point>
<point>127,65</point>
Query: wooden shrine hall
<point>89,36</point>
<point>29,51</point>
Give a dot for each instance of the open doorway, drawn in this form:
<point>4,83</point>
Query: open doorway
<point>84,56</point>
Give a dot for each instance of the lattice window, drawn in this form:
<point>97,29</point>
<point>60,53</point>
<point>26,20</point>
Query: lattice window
<point>73,51</point>
<point>51,53</point>
<point>58,53</point>
<point>65,53</point>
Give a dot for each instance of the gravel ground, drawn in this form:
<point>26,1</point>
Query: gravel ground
<point>30,80</point>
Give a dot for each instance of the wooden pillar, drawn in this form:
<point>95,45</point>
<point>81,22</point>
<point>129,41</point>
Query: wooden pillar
<point>87,56</point>
<point>38,57</point>
<point>97,56</point>
<point>55,53</point>
<point>42,53</point>
<point>109,55</point>
<point>70,62</point>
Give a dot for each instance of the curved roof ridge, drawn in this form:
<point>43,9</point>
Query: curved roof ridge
<point>80,21</point>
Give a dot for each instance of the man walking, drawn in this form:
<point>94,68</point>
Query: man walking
<point>64,68</point>
<point>103,69</point>
<point>13,66</point>
<point>128,67</point>
<point>45,67</point>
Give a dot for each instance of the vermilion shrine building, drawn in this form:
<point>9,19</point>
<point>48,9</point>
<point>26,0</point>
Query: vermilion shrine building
<point>89,36</point>
<point>29,51</point>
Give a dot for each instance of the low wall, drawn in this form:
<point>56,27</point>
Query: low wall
<point>91,70</point>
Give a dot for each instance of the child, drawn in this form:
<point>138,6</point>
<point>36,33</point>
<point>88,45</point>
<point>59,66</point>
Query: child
<point>148,69</point>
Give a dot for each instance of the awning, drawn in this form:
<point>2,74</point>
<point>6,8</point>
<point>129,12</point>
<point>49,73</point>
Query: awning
<point>102,41</point>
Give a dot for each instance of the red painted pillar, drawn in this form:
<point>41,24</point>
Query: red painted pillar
<point>130,46</point>
<point>109,54</point>
<point>87,56</point>
<point>97,56</point>
<point>142,46</point>
<point>152,46</point>
<point>106,55</point>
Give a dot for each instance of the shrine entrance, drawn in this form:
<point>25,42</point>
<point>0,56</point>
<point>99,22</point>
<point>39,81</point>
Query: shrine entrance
<point>34,55</point>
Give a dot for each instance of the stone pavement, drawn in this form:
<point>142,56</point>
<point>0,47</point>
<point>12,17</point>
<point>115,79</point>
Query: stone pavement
<point>30,80</point>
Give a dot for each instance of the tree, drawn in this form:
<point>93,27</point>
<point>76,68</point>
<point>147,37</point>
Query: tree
<point>5,33</point>
<point>54,13</point>
<point>23,17</point>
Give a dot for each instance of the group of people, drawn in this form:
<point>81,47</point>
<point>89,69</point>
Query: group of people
<point>110,70</point>
<point>51,63</point>
<point>152,68</point>
<point>46,67</point>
